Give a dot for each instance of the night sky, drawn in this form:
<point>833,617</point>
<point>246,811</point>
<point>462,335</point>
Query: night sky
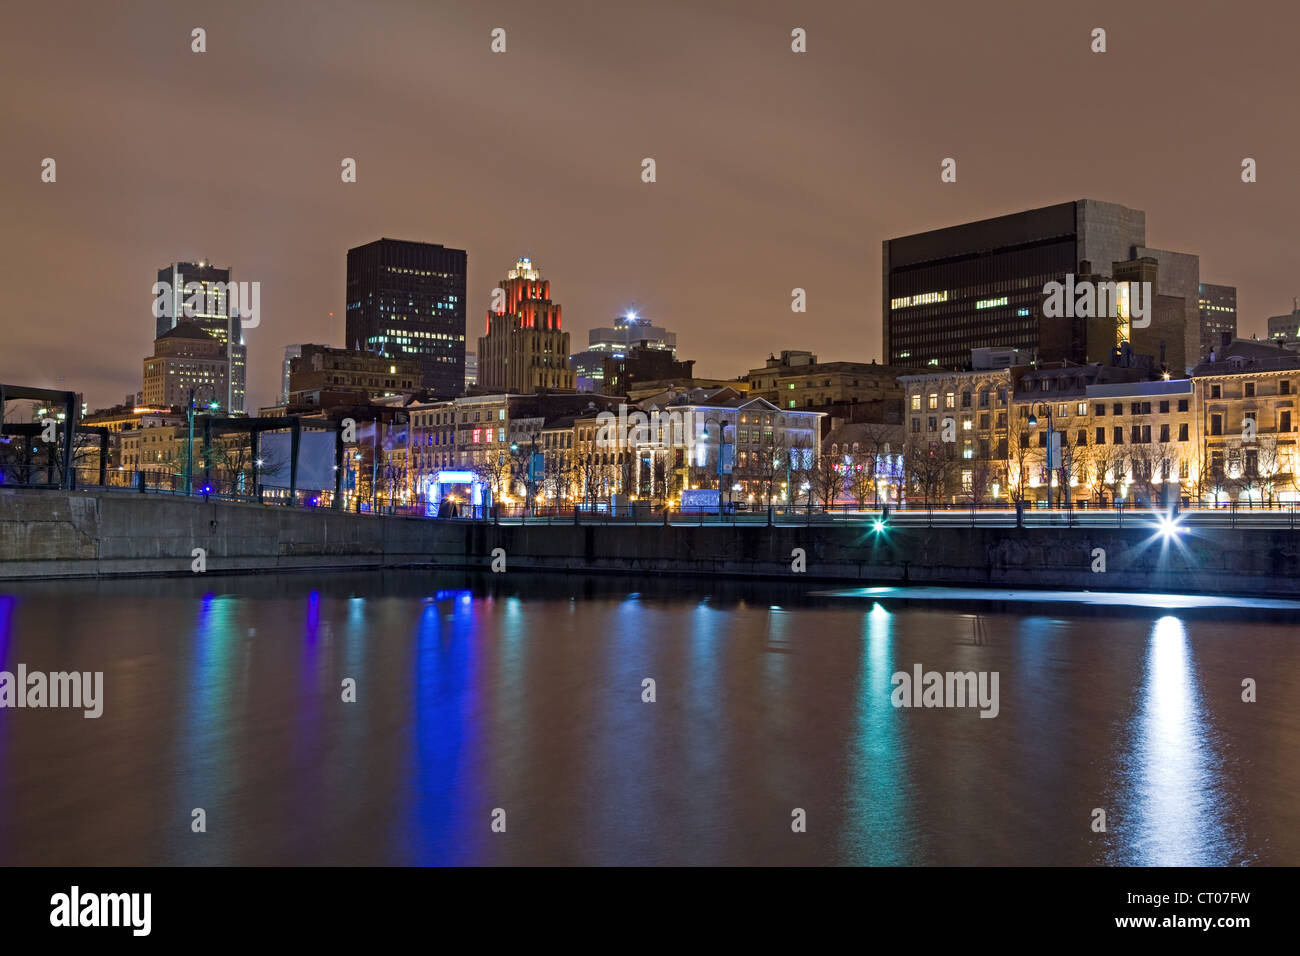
<point>775,169</point>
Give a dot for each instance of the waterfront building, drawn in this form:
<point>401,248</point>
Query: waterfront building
<point>1247,423</point>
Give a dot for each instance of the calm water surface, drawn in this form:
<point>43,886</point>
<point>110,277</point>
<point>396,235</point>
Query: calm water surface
<point>525,694</point>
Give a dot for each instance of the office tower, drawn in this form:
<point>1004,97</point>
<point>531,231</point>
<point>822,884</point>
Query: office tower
<point>210,303</point>
<point>525,347</point>
<point>407,300</point>
<point>1218,314</point>
<point>980,284</point>
<point>186,357</point>
<point>1285,328</point>
<point>628,331</point>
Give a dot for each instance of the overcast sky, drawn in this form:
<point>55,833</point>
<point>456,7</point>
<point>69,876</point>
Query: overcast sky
<point>775,170</point>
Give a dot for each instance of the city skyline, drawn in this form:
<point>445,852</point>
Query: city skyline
<point>714,246</point>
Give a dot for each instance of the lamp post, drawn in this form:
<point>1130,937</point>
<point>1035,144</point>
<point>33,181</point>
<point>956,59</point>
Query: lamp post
<point>722,453</point>
<point>530,476</point>
<point>1052,464</point>
<point>189,444</point>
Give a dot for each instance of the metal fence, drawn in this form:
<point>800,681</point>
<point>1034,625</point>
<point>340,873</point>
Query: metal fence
<point>1031,515</point>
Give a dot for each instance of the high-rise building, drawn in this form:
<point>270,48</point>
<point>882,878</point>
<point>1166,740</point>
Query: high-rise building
<point>525,347</point>
<point>407,300</point>
<point>200,292</point>
<point>1218,312</point>
<point>628,331</point>
<point>186,357</point>
<point>1285,328</point>
<point>981,284</point>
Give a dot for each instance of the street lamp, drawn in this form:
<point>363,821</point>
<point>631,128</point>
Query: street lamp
<point>722,453</point>
<point>189,445</point>
<point>1052,451</point>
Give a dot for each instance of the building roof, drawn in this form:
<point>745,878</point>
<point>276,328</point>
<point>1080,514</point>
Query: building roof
<point>185,329</point>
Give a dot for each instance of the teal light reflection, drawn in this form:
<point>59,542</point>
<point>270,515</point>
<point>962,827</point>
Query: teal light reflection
<point>877,831</point>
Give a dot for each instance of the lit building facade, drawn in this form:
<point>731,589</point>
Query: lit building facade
<point>184,357</point>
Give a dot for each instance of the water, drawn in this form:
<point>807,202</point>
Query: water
<point>525,694</point>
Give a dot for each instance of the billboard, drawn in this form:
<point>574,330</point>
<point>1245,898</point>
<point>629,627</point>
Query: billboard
<point>315,460</point>
<point>700,501</point>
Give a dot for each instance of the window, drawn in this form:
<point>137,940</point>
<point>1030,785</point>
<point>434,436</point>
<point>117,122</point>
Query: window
<point>1284,387</point>
<point>1081,438</point>
<point>1135,408</point>
<point>934,424</point>
<point>965,399</point>
<point>916,425</point>
<point>1099,411</point>
<point>1284,422</point>
<point>1101,435</point>
<point>1117,435</point>
<point>1164,408</point>
<point>1062,410</point>
<point>1216,424</point>
<point>1182,404</point>
<point>1250,389</point>
<point>1117,409</point>
<point>934,400</point>
<point>1164,433</point>
<point>984,399</point>
<point>1082,408</point>
<point>950,400</point>
<point>916,403</point>
<point>1216,391</point>
<point>1182,433</point>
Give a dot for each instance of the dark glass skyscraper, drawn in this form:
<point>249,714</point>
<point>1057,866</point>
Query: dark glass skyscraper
<point>980,284</point>
<point>407,300</point>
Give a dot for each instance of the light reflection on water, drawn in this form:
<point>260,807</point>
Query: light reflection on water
<point>475,696</point>
<point>1172,812</point>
